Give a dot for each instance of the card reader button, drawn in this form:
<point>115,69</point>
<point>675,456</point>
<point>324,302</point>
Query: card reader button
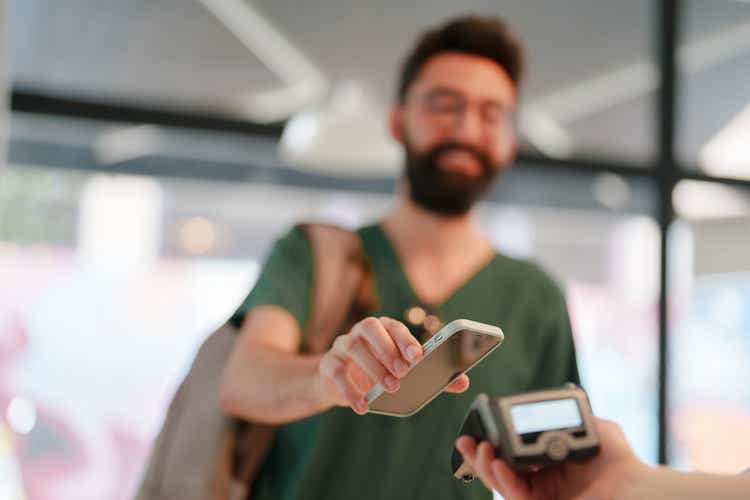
<point>557,450</point>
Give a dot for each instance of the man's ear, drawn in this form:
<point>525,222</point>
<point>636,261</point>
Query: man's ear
<point>396,123</point>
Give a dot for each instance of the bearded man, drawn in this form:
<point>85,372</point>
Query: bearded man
<point>454,116</point>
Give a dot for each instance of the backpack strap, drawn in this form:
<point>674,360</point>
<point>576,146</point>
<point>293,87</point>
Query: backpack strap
<point>342,293</point>
<point>342,287</point>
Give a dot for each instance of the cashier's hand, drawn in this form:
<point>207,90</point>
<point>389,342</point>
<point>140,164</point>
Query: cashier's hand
<point>375,351</point>
<point>600,478</point>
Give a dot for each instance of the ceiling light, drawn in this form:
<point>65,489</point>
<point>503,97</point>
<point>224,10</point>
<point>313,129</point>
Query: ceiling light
<point>303,82</point>
<point>545,133</point>
<point>706,200</point>
<point>727,154</point>
<point>347,135</point>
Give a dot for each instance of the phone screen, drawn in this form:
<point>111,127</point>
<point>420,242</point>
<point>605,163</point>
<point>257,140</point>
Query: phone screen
<point>436,370</point>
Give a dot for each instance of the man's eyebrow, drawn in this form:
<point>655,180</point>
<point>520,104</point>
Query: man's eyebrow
<point>447,89</point>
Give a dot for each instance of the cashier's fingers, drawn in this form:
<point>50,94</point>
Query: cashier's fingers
<point>493,472</point>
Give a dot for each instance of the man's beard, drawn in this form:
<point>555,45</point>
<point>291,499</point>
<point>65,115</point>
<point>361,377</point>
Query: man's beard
<point>443,192</point>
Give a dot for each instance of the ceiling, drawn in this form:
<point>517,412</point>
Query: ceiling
<point>590,68</point>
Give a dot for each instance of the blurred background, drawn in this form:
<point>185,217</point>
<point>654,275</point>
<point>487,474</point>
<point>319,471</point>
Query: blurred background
<point>154,149</point>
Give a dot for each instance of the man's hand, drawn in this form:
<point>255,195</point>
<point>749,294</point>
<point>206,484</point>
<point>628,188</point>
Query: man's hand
<point>600,477</point>
<point>375,351</point>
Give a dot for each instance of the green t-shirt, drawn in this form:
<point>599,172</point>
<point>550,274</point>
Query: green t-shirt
<point>340,455</point>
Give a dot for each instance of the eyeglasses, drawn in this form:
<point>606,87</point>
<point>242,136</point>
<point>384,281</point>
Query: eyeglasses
<point>450,108</point>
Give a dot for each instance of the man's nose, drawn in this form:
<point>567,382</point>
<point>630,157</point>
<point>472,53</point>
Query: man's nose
<point>469,128</point>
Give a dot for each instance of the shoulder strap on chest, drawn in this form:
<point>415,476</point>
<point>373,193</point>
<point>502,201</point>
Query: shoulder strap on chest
<point>342,284</point>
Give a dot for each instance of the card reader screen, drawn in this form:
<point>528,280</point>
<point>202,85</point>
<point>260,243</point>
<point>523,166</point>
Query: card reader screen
<point>545,415</point>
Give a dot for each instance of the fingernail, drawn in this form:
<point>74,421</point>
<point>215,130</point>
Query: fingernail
<point>399,367</point>
<point>390,382</point>
<point>412,352</point>
<point>360,406</point>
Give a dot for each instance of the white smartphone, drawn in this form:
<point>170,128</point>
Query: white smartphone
<point>454,350</point>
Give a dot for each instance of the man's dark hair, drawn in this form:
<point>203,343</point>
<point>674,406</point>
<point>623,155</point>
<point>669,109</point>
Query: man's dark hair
<point>483,36</point>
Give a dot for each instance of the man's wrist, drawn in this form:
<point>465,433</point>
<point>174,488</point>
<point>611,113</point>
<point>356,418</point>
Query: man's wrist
<point>635,481</point>
<point>319,390</point>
